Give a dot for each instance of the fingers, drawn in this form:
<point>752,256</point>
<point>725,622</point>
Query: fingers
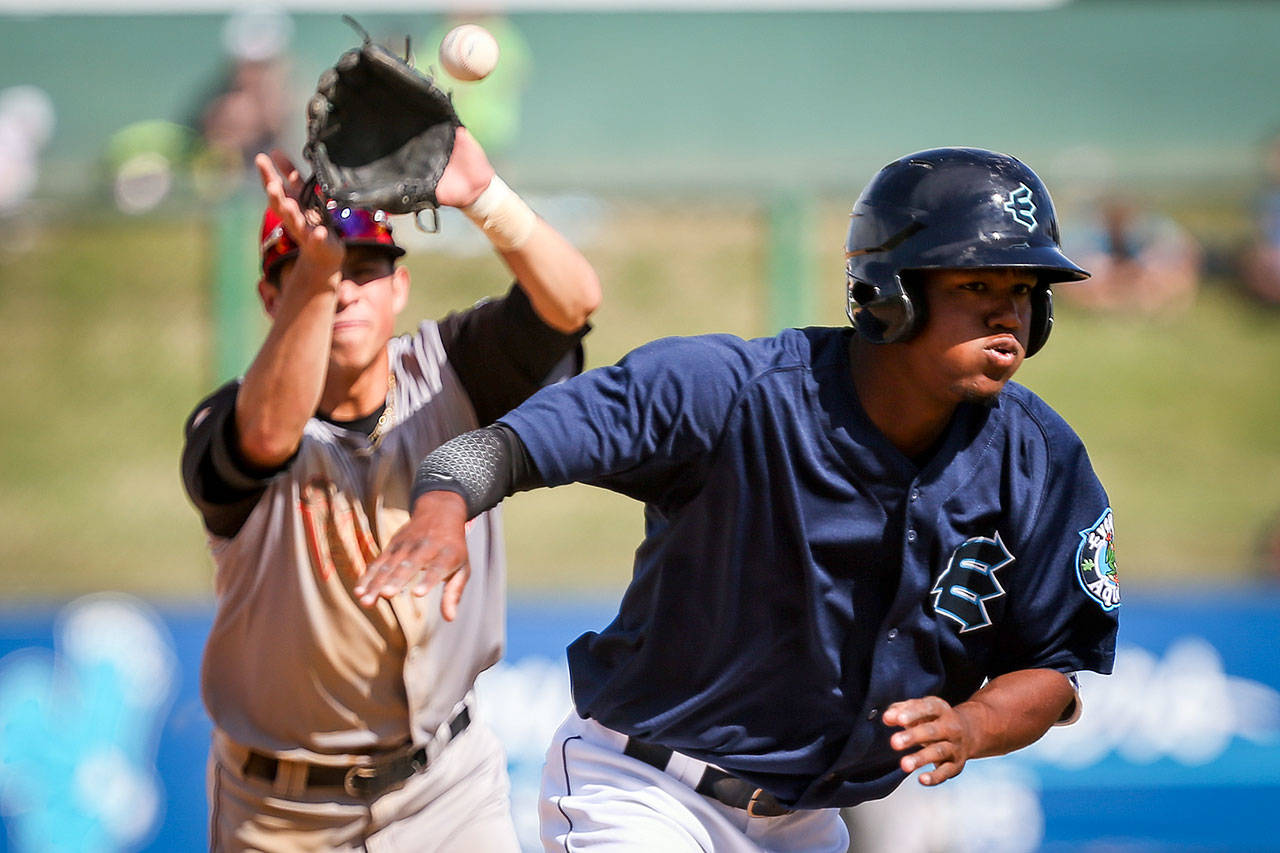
<point>913,711</point>
<point>285,206</point>
<point>267,170</point>
<point>386,576</point>
<point>933,725</point>
<point>418,564</point>
<point>281,183</point>
<point>272,181</point>
<point>278,168</point>
<point>942,754</point>
<point>293,180</point>
<point>941,773</point>
<point>452,596</point>
<point>430,549</point>
<point>916,735</point>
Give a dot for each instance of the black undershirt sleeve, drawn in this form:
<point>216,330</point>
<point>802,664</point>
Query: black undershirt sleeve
<point>503,352</point>
<point>484,466</point>
<point>223,487</point>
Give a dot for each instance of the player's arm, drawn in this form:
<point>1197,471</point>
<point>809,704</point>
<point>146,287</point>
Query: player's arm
<point>645,427</point>
<point>503,352</point>
<point>559,281</point>
<point>1009,712</point>
<point>460,479</point>
<point>282,386</point>
<point>215,477</point>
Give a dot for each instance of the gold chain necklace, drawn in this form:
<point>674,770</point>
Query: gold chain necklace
<point>388,410</point>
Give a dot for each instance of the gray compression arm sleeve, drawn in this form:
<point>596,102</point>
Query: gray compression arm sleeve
<point>483,466</point>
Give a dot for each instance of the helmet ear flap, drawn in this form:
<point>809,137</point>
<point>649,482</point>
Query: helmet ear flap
<point>1041,317</point>
<point>881,318</point>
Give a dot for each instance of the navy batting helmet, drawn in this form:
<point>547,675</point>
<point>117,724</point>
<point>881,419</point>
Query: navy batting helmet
<point>949,208</point>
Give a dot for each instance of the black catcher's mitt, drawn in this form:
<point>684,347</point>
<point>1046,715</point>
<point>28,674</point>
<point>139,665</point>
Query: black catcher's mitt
<point>379,132</point>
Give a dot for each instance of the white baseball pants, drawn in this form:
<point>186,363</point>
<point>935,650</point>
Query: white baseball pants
<point>595,798</point>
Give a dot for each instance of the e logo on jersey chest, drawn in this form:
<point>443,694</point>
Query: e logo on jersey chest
<point>969,581</point>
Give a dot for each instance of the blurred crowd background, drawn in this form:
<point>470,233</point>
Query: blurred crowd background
<point>705,158</point>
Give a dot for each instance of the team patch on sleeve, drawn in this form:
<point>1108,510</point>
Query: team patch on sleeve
<point>1096,562</point>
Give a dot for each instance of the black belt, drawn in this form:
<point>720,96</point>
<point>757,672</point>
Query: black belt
<point>715,783</point>
<point>362,780</point>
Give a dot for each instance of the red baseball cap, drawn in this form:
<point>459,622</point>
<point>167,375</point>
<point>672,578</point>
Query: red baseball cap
<point>358,228</point>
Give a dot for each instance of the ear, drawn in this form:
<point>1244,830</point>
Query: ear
<point>269,294</point>
<point>399,289</point>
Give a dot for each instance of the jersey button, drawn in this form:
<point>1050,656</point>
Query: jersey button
<point>873,713</point>
<point>893,632</point>
<point>915,494</point>
<point>911,535</point>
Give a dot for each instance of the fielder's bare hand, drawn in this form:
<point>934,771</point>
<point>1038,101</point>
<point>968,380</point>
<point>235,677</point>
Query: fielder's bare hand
<point>467,173</point>
<point>935,732</point>
<point>318,246</point>
<point>431,548</point>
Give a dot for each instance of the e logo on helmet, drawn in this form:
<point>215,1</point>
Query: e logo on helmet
<point>1022,208</point>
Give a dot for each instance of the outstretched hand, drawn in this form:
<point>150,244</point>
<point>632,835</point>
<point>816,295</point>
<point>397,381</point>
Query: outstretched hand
<point>317,245</point>
<point>933,732</point>
<point>431,548</point>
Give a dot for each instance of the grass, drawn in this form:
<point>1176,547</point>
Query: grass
<point>101,336</point>
<point>1180,416</point>
<point>105,344</point>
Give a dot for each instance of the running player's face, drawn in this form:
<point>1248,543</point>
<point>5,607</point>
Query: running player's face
<point>975,335</point>
<point>373,292</point>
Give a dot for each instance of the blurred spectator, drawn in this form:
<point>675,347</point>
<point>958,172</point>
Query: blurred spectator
<point>1142,261</point>
<point>26,126</point>
<point>247,113</point>
<point>244,113</point>
<point>246,118</point>
<point>1260,261</point>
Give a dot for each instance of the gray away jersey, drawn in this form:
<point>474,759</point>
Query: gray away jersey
<point>294,665</point>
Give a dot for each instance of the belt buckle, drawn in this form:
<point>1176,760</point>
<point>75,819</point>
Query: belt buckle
<point>361,772</point>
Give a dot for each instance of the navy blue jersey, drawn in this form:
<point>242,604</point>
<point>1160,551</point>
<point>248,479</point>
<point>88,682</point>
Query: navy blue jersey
<point>799,573</point>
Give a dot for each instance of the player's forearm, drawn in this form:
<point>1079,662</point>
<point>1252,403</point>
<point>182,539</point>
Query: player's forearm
<point>479,468</point>
<point>483,466</point>
<point>561,284</point>
<point>282,386</point>
<point>1015,710</point>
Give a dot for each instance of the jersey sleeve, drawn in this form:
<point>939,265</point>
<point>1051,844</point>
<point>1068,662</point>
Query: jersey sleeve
<point>1064,599</point>
<point>503,351</point>
<point>645,427</point>
<point>222,486</point>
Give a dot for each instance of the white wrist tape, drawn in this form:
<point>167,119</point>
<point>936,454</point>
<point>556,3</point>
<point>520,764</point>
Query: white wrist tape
<point>502,215</point>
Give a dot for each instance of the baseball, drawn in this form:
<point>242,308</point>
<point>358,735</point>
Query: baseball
<point>468,52</point>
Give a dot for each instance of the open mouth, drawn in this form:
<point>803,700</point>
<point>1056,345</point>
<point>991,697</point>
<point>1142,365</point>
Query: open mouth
<point>1003,350</point>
